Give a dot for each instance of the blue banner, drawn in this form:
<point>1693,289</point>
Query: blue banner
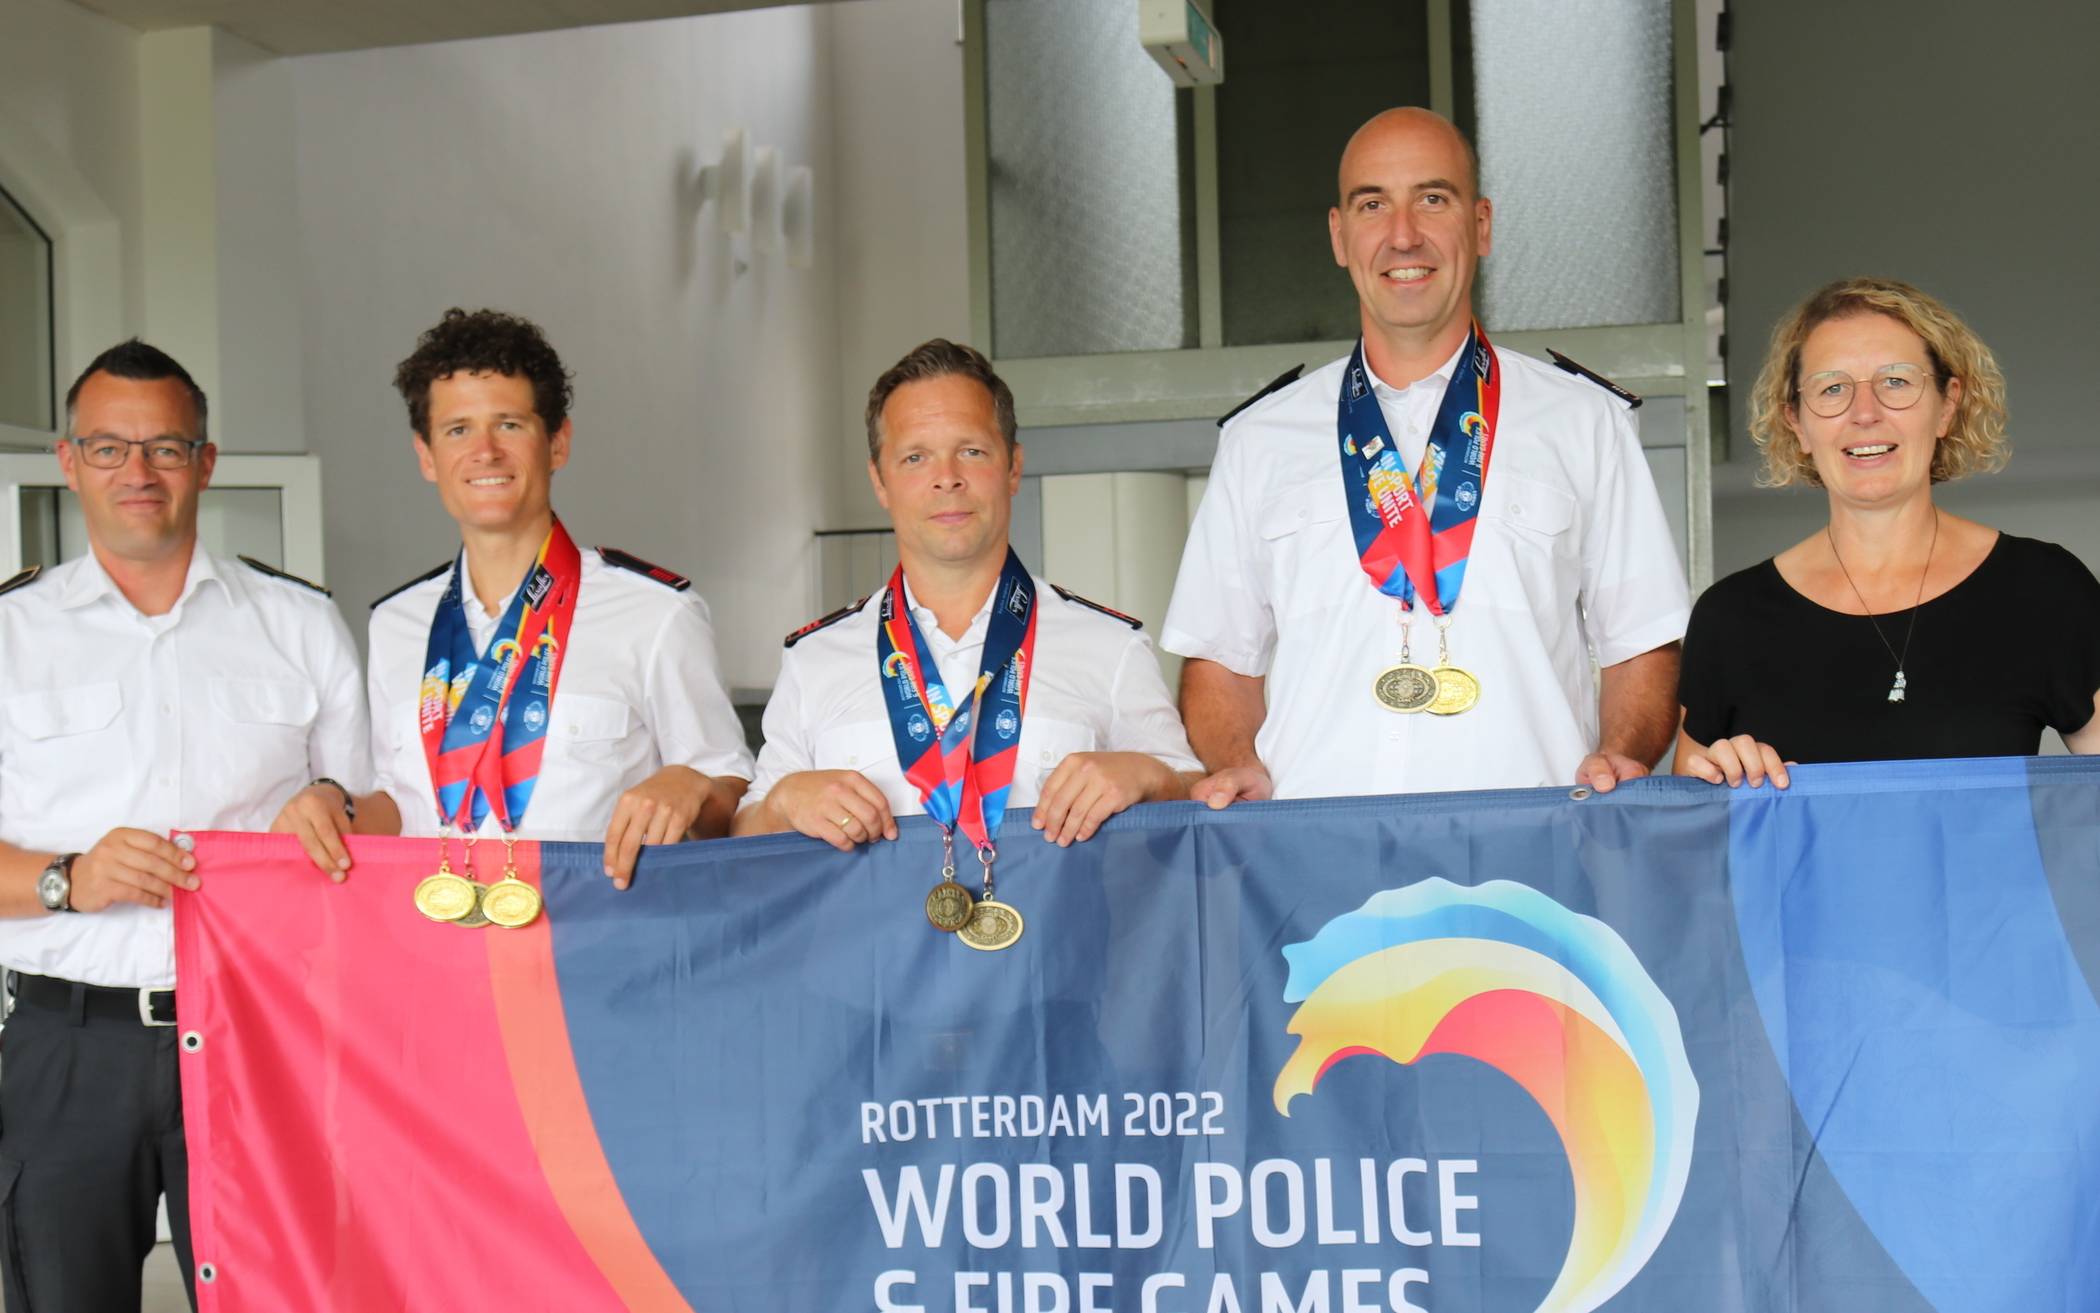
<point>1673,1048</point>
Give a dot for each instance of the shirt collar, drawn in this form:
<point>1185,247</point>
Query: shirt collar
<point>91,583</point>
<point>1442,375</point>
<point>930,625</point>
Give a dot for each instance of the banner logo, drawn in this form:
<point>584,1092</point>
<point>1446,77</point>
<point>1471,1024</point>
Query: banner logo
<point>1501,973</point>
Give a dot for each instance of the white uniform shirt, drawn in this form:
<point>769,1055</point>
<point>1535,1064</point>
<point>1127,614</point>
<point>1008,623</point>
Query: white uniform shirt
<point>641,689</point>
<point>1572,558</point>
<point>209,717</point>
<point>1096,688</point>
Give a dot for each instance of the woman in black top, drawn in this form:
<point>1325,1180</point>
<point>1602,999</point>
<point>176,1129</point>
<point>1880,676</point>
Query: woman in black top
<point>1899,630</point>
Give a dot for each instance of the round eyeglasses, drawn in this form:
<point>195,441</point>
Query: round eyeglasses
<point>1897,387</point>
<point>115,453</point>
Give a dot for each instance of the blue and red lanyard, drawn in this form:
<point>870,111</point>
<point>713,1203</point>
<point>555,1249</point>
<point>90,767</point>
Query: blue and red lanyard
<point>484,719</point>
<point>1407,552</point>
<point>960,755</point>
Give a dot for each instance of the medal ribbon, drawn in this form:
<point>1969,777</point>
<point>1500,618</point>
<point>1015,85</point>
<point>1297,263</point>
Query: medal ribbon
<point>960,756</point>
<point>482,743</point>
<point>1408,553</point>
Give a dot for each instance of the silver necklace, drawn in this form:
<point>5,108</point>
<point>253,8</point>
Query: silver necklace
<point>1896,690</point>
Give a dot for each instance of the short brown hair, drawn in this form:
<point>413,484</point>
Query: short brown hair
<point>1975,441</point>
<point>941,358</point>
<point>484,342</point>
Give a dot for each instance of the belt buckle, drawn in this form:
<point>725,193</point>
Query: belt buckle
<point>146,1017</point>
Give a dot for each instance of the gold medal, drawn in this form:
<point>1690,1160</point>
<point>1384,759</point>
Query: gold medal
<point>510,902</point>
<point>949,905</point>
<point>1406,687</point>
<point>992,926</point>
<point>475,917</point>
<point>445,896</point>
<point>1456,690</point>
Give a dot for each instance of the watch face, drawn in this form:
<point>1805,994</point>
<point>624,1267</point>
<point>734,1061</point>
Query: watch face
<point>53,888</point>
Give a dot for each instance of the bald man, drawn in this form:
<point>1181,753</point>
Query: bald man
<point>1487,596</point>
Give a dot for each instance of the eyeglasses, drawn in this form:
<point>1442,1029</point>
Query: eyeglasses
<point>1897,387</point>
<point>115,453</point>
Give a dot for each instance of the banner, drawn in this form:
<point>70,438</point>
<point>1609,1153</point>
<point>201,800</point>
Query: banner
<point>1672,1048</point>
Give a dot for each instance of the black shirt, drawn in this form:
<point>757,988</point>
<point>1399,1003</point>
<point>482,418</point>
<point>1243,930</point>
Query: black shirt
<point>2008,651</point>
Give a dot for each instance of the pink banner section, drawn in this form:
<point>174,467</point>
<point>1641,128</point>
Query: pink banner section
<point>383,1111</point>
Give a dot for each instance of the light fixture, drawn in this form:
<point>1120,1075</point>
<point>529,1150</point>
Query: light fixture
<point>727,183</point>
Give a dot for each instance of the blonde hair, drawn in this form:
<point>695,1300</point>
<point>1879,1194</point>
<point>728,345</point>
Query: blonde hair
<point>1975,441</point>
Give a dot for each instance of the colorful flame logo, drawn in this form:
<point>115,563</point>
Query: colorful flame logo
<point>1557,1002</point>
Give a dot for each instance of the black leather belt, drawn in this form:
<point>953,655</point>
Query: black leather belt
<point>140,1007</point>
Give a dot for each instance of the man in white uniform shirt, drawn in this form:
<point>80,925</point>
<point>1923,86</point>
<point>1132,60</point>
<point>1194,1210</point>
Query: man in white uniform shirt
<point>147,686</point>
<point>621,686</point>
<point>1307,678</point>
<point>1095,731</point>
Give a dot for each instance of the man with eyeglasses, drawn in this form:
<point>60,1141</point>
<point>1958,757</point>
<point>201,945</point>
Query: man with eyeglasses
<point>147,686</point>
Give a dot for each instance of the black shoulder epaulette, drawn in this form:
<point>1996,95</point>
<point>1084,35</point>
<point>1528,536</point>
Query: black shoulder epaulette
<point>1632,400</point>
<point>1283,380</point>
<point>628,561</point>
<point>824,622</point>
<point>25,577</point>
<point>286,575</point>
<point>1108,611</point>
<point>422,578</point>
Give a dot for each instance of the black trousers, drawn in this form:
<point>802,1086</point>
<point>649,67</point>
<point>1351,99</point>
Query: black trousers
<point>90,1138</point>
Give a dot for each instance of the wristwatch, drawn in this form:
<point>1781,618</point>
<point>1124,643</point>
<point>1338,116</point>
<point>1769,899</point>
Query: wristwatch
<point>349,803</point>
<point>54,888</point>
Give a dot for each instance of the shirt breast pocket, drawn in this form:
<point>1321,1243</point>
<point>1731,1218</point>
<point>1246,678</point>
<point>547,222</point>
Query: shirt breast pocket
<point>66,713</point>
<point>265,703</point>
<point>1304,531</point>
<point>865,746</point>
<point>1529,555</point>
<point>592,728</point>
<point>1046,742</point>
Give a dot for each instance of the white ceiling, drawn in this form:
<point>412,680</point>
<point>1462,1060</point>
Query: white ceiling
<point>306,27</point>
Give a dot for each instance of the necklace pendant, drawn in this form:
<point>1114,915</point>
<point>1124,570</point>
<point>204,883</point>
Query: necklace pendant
<point>1896,689</point>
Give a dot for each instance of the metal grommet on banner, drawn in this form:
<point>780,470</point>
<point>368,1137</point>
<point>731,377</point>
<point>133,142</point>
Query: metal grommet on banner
<point>1579,792</point>
<point>207,1272</point>
<point>192,1041</point>
<point>186,842</point>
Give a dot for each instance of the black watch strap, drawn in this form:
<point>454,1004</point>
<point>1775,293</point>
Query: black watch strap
<point>349,802</point>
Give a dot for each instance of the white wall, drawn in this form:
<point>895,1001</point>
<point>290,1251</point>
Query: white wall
<point>552,176</point>
<point>903,236</point>
<point>260,404</point>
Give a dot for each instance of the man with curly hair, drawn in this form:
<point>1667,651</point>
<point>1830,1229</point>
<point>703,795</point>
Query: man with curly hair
<point>525,672</point>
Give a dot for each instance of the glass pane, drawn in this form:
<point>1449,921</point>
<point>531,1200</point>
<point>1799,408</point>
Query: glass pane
<point>1299,78</point>
<point>1090,232</point>
<point>1577,151</point>
<point>25,320</point>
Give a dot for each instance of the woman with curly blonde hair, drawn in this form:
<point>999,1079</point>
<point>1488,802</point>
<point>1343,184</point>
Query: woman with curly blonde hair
<point>1898,630</point>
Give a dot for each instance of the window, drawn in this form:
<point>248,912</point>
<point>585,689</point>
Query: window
<point>26,364</point>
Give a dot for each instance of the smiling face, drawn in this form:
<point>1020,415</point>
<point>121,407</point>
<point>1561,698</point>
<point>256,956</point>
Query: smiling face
<point>489,452</point>
<point>136,512</point>
<point>1872,454</point>
<point>1410,230</point>
<point>944,474</point>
